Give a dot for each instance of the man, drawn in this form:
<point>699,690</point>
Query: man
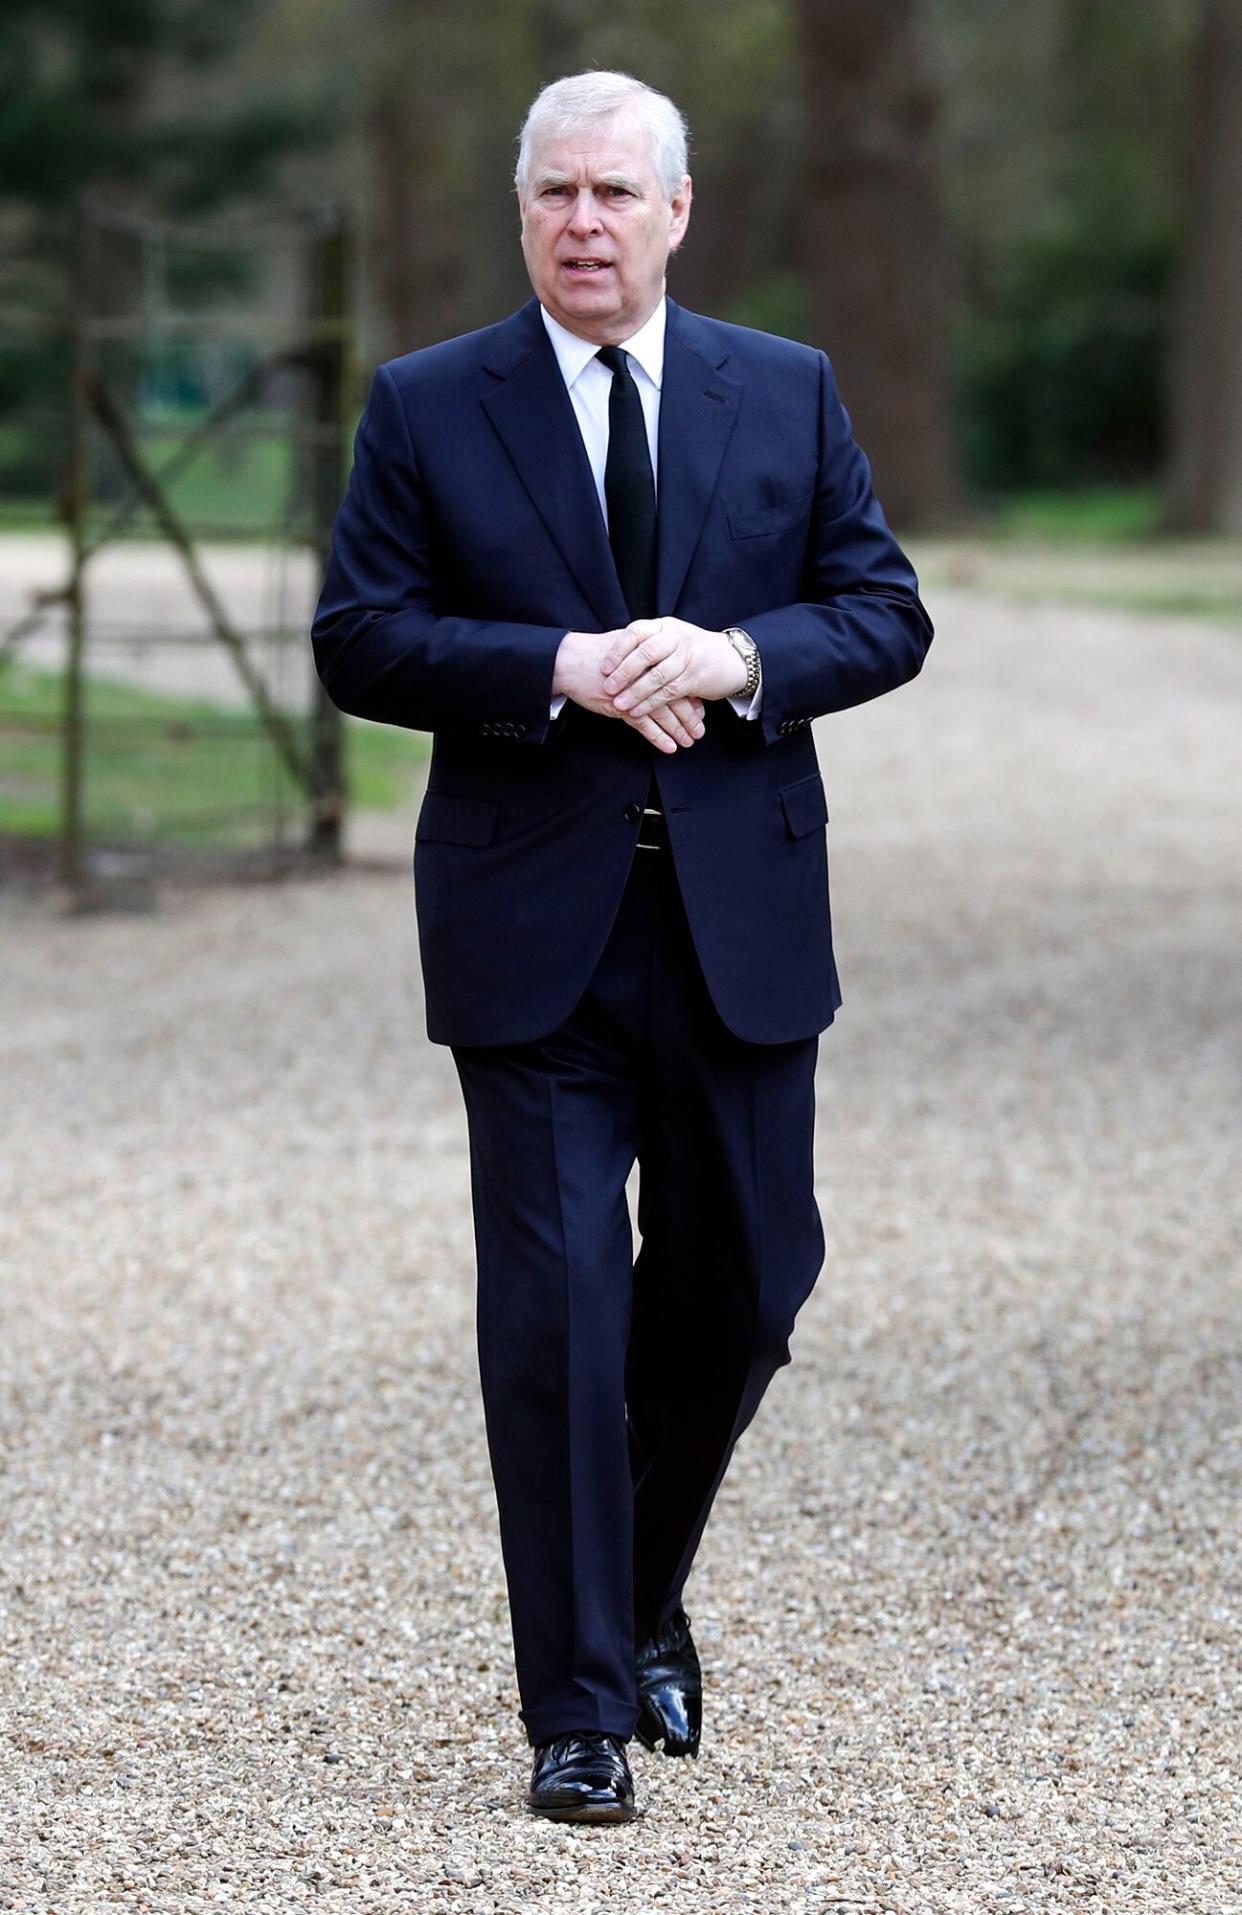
<point>616,558</point>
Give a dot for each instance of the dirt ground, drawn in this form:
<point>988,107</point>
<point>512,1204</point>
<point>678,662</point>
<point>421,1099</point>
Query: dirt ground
<point>970,1603</point>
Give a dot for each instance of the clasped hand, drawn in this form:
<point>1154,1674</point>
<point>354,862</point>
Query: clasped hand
<point>655,674</point>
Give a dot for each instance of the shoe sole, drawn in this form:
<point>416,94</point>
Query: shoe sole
<point>588,1812</point>
<point>655,1748</point>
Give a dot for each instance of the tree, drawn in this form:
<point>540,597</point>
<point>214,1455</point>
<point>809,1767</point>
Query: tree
<point>448,84</point>
<point>1059,137</point>
<point>876,255</point>
<point>115,98</point>
<point>88,98</point>
<point>1205,381</point>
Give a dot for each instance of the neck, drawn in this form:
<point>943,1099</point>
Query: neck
<point>606,335</point>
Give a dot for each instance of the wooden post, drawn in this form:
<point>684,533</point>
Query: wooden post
<point>81,293</point>
<point>327,310</point>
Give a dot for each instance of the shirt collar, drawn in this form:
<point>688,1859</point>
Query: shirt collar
<point>573,354</point>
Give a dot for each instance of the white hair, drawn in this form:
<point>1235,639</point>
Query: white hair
<point>585,99</point>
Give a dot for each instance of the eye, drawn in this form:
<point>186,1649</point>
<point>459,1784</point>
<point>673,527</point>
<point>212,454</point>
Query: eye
<point>619,192</point>
<point>553,192</point>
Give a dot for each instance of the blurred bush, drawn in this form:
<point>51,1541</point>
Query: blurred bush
<point>1060,374</point>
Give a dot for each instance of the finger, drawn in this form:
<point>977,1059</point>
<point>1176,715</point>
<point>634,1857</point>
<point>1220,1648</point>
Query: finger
<point>654,733</point>
<point>648,652</point>
<point>681,710</point>
<point>673,726</point>
<point>624,641</point>
<point>660,727</point>
<point>659,686</point>
<point>651,687</point>
<point>690,712</point>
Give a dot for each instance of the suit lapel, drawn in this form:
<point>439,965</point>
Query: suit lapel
<point>534,417</point>
<point>698,409</point>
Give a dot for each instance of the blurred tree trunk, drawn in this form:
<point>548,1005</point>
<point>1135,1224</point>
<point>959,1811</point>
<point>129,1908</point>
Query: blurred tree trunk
<point>418,237</point>
<point>449,80</point>
<point>1205,375</point>
<point>876,265</point>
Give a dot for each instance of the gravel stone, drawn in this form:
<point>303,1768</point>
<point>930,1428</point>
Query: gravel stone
<point>969,1604</point>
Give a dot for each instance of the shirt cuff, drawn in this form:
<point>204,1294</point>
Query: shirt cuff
<point>743,707</point>
<point>749,709</point>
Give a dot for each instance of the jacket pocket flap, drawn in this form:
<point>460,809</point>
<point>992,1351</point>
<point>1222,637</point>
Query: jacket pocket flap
<point>448,820</point>
<point>806,806</point>
<point>773,518</point>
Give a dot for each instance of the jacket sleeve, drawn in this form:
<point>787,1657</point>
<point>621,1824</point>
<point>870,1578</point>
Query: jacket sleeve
<point>861,629</point>
<point>382,648</point>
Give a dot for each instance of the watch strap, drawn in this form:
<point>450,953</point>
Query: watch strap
<point>747,650</point>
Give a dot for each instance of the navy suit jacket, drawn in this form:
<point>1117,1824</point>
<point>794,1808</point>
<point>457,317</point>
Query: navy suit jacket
<point>469,543</point>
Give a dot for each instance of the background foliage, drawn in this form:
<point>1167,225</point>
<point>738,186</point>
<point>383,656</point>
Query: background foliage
<point>1059,149</point>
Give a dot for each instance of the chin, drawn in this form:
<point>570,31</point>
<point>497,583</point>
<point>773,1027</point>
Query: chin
<point>586,313</point>
<point>591,299</point>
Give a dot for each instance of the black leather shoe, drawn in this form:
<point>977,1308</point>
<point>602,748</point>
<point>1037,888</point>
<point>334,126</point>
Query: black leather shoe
<point>582,1777</point>
<point>670,1689</point>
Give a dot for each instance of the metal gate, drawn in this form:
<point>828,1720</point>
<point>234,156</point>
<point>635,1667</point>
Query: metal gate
<point>166,676</point>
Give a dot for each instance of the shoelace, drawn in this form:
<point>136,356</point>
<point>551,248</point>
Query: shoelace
<point>565,1747</point>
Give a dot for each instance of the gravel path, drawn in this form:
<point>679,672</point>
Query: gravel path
<point>969,1607</point>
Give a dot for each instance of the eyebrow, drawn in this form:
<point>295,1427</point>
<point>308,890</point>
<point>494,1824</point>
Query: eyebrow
<point>605,179</point>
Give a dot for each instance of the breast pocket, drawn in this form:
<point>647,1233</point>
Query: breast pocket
<point>784,515</point>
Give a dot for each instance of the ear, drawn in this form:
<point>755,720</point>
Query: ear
<point>679,213</point>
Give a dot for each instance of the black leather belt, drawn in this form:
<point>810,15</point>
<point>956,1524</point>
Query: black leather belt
<point>652,830</point>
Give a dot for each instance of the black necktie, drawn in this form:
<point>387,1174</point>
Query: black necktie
<point>629,488</point>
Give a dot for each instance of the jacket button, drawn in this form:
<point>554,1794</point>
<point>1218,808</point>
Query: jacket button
<point>632,814</point>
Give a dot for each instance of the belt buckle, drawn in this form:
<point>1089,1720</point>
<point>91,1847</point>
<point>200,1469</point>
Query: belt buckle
<point>657,830</point>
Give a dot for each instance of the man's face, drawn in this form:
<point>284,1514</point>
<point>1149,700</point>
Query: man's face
<point>596,229</point>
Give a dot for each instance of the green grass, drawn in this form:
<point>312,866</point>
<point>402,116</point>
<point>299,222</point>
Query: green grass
<point>1199,578</point>
<point>28,515</point>
<point>238,487</point>
<point>173,772</point>
<point>1103,515</point>
<point>244,485</point>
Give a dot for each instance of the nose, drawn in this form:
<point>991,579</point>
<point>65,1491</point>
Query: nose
<point>584,218</point>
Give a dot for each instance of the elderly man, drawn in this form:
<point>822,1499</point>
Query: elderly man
<point>616,558</point>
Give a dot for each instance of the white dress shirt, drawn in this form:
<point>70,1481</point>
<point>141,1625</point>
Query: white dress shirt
<point>589,384</point>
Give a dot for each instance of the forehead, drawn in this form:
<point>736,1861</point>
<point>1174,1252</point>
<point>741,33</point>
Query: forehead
<point>622,145</point>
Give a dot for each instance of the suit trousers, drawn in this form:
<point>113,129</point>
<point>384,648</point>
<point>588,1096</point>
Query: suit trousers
<point>614,1389</point>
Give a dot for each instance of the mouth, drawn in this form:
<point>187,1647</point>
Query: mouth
<point>585,265</point>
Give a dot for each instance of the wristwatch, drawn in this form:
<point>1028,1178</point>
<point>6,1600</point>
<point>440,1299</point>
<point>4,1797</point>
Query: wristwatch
<point>747,650</point>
